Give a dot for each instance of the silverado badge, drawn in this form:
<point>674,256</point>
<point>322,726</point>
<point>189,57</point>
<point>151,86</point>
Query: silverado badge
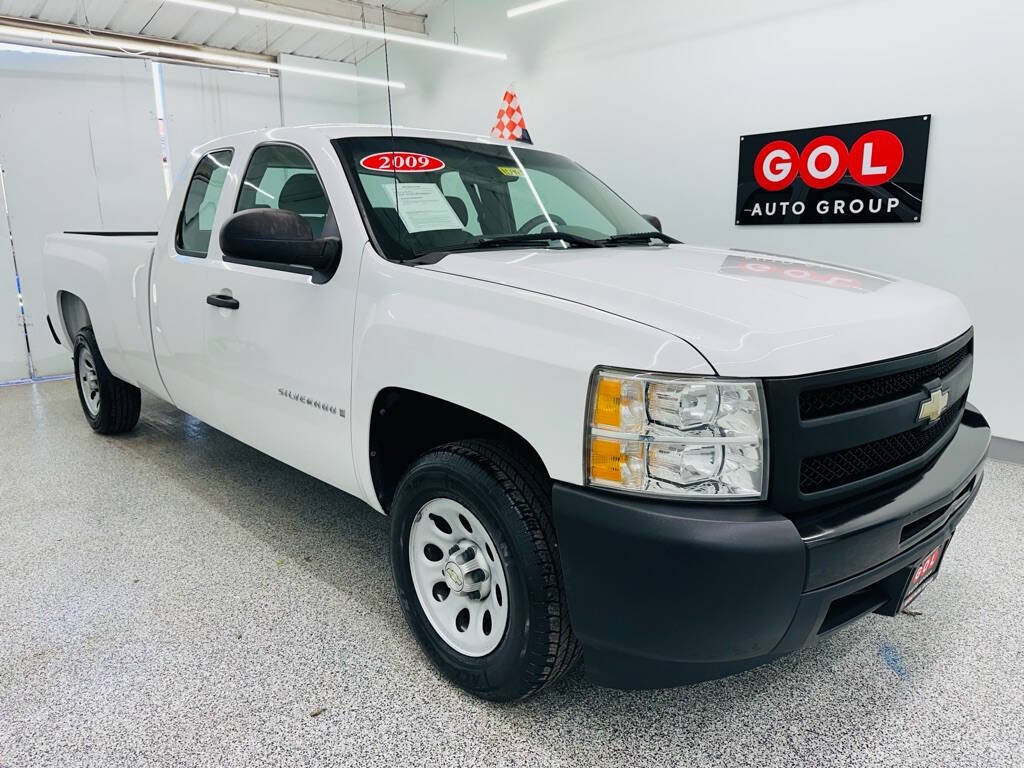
<point>932,408</point>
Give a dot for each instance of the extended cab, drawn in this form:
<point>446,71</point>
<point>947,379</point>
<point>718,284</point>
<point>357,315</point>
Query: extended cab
<point>677,461</point>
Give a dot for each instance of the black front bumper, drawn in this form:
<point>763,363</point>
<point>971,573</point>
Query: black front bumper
<point>666,593</point>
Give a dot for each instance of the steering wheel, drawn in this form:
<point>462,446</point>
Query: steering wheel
<point>540,219</point>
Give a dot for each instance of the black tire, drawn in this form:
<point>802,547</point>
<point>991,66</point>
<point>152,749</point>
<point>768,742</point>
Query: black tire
<point>512,497</point>
<point>119,402</point>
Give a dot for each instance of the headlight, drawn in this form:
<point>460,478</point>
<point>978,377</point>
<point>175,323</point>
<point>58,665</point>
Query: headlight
<point>676,435</point>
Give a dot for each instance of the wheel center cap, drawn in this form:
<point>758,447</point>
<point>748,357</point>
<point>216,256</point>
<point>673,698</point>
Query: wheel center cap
<point>453,576</point>
<point>466,571</point>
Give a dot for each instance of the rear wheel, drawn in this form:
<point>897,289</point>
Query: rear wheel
<point>476,568</point>
<point>110,405</point>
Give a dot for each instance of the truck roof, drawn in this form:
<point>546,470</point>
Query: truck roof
<point>342,130</point>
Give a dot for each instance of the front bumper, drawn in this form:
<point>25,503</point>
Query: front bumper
<point>666,593</point>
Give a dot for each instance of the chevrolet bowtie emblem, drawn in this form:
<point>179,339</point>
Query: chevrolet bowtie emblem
<point>932,408</point>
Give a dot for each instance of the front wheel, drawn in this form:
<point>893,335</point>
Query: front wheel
<point>476,568</point>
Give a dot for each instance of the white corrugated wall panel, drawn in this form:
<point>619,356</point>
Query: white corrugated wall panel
<point>203,104</point>
<point>13,355</point>
<point>79,144</point>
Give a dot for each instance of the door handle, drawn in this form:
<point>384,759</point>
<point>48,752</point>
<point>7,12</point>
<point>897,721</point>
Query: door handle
<point>222,301</point>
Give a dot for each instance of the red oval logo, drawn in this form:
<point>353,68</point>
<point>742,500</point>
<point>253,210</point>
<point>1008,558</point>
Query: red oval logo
<point>402,162</point>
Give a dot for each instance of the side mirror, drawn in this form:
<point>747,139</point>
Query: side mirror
<point>273,236</point>
<point>654,221</point>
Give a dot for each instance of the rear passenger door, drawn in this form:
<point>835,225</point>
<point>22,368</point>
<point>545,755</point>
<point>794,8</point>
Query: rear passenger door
<point>183,268</point>
<point>278,364</point>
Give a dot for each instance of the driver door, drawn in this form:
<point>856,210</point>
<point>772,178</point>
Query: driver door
<point>278,364</point>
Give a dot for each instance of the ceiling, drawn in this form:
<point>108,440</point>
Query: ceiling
<point>199,26</point>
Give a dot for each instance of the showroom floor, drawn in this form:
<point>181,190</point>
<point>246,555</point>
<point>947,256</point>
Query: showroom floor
<point>174,597</point>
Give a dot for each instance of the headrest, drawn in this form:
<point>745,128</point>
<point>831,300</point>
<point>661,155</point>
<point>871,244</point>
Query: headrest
<point>302,193</point>
<point>459,206</point>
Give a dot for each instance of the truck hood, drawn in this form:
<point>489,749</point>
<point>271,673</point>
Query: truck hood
<point>748,314</point>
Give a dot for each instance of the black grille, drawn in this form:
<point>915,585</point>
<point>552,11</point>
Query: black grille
<point>820,473</point>
<point>860,394</point>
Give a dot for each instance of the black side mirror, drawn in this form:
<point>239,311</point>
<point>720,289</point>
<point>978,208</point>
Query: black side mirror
<point>273,236</point>
<point>654,221</point>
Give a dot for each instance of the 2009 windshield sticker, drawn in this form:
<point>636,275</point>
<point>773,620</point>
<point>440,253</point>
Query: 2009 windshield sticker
<point>402,162</point>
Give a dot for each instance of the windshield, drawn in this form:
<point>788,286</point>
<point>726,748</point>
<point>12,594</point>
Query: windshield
<point>423,196</point>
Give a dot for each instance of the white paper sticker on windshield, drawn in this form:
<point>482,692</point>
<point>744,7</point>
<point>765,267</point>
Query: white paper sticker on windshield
<point>423,207</point>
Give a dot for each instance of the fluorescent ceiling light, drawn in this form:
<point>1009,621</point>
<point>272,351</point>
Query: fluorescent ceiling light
<point>207,5</point>
<point>336,75</point>
<point>90,41</point>
<point>34,50</point>
<point>519,10</point>
<point>145,47</point>
<point>347,29</point>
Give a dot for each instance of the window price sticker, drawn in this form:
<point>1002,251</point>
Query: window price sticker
<point>422,207</point>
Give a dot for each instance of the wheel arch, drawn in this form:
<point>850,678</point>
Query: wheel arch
<point>74,315</point>
<point>406,423</point>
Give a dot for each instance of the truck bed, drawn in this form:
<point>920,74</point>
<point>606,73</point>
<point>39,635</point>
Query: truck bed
<point>109,272</point>
<point>112,233</point>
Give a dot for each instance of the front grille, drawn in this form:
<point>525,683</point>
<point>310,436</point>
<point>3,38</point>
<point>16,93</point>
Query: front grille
<point>819,473</point>
<point>860,394</point>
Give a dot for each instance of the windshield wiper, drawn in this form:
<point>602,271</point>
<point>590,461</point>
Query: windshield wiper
<point>498,241</point>
<point>638,237</point>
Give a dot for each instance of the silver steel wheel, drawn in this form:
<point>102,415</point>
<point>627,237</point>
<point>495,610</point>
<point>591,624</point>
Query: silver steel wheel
<point>458,577</point>
<point>88,380</point>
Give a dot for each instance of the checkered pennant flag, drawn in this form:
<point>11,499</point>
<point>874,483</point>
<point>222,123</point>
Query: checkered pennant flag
<point>511,124</point>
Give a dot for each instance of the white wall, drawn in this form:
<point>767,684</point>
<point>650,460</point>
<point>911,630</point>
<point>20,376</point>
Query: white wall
<point>13,358</point>
<point>653,97</point>
<point>202,104</point>
<point>80,150</point>
<point>308,99</point>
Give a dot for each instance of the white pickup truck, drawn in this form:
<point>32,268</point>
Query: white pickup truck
<point>675,461</point>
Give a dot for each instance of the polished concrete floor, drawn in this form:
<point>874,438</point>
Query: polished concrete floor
<point>173,597</point>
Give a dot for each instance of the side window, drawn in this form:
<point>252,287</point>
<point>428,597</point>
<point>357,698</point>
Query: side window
<point>196,221</point>
<point>281,176</point>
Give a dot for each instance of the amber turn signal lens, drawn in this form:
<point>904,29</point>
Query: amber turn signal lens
<point>606,460</point>
<point>607,404</point>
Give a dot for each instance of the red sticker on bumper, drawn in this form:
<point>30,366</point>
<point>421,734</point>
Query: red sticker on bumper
<point>402,162</point>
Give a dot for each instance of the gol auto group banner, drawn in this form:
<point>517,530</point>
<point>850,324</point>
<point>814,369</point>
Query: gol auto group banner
<point>839,174</point>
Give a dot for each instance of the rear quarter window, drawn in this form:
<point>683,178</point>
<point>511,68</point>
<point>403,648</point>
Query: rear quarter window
<point>195,224</point>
